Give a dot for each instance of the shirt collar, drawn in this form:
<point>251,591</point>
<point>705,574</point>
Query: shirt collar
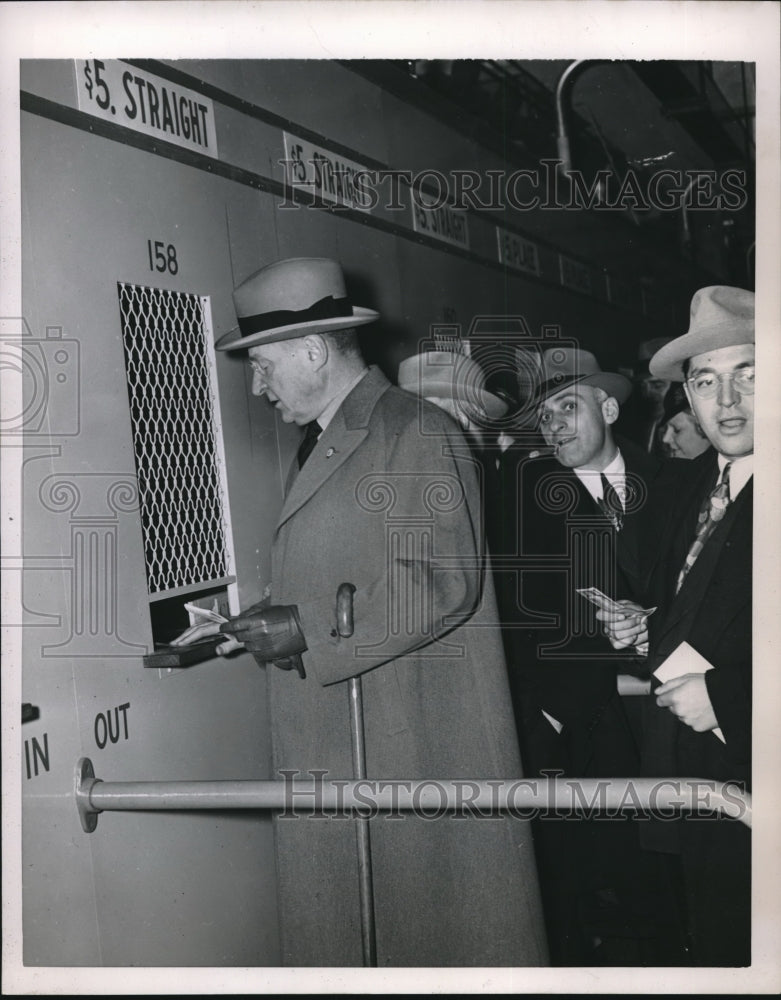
<point>741,470</point>
<point>615,472</point>
<point>329,412</point>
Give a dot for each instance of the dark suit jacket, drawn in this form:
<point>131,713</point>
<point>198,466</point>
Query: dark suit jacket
<point>712,613</point>
<point>558,657</point>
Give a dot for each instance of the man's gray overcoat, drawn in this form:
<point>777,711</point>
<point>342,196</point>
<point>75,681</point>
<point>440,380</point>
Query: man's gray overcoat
<point>389,501</point>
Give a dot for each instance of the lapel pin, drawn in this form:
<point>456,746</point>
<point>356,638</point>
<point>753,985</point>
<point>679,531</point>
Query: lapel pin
<point>330,452</point>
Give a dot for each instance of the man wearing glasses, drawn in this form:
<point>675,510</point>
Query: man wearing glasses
<point>698,722</point>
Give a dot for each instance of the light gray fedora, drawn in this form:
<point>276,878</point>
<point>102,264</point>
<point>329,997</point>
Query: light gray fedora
<point>449,375</point>
<point>720,316</point>
<point>292,298</point>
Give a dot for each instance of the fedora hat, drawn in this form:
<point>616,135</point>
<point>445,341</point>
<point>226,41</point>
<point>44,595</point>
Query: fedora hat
<point>292,298</point>
<point>720,316</point>
<point>451,376</point>
<point>566,366</point>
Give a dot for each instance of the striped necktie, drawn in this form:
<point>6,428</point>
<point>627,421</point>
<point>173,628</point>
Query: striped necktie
<point>611,505</point>
<point>711,513</point>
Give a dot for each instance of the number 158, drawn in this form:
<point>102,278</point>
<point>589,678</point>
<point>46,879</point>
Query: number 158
<point>162,257</point>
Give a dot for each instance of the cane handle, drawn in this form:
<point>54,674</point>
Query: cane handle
<point>344,610</point>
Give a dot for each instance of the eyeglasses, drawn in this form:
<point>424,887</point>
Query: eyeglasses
<point>707,384</point>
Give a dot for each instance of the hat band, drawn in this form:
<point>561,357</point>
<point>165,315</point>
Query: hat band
<point>558,384</point>
<point>326,308</point>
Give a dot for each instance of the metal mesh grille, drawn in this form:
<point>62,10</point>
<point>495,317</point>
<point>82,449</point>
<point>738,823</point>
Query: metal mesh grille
<point>172,416</point>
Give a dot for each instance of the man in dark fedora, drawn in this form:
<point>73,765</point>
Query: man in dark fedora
<point>641,419</point>
<point>698,720</point>
<point>581,514</point>
<point>587,481</point>
<point>385,499</point>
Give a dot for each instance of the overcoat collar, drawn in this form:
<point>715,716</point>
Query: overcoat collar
<point>342,436</point>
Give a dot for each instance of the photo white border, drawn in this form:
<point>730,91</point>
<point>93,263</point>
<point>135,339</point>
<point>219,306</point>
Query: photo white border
<point>520,29</point>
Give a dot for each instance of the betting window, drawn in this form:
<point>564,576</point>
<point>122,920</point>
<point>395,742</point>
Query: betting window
<point>177,443</point>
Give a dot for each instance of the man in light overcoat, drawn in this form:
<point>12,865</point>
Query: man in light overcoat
<point>388,501</point>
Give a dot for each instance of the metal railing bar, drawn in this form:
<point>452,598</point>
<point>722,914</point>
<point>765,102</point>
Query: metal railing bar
<point>663,797</point>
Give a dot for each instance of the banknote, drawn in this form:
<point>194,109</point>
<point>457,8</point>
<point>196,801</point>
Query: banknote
<point>605,603</point>
<point>208,615</point>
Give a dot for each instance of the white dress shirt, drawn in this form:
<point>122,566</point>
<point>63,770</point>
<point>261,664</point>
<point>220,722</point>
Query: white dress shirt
<point>615,473</point>
<point>741,470</point>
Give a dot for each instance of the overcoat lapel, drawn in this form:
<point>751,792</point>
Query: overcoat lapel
<point>342,436</point>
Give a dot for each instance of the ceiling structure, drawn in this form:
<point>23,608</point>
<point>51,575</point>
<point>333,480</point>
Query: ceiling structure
<point>614,116</point>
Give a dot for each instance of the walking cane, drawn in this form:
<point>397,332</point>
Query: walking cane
<point>345,627</point>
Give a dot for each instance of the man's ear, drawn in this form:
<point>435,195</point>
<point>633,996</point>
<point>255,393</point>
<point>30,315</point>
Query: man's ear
<point>316,350</point>
<point>610,410</point>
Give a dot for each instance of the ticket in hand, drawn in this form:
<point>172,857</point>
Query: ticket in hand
<point>605,603</point>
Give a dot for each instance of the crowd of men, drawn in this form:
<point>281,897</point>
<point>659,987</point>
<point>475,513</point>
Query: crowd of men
<point>679,561</point>
<point>488,659</point>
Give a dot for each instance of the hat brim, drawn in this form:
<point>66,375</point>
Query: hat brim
<point>234,340</point>
<point>615,385</point>
<point>668,360</point>
<point>491,406</point>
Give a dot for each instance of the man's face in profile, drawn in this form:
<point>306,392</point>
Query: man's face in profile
<point>282,372</point>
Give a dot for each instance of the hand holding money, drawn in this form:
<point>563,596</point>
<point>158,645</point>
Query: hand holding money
<point>209,623</point>
<point>625,623</point>
<point>626,626</point>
